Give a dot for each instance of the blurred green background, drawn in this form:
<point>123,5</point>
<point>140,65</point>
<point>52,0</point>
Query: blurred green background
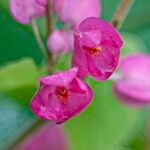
<point>105,124</point>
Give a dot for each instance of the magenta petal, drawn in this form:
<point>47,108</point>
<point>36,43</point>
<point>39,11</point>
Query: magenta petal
<point>24,10</point>
<point>134,84</point>
<point>60,79</point>
<point>61,96</point>
<point>47,137</point>
<point>78,100</point>
<point>107,30</point>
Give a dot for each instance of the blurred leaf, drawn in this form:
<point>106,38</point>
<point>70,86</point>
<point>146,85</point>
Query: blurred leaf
<point>144,34</point>
<point>18,74</point>
<point>14,118</point>
<point>132,44</point>
<point>139,140</point>
<point>138,16</point>
<point>16,40</point>
<point>4,4</point>
<point>18,79</point>
<point>104,124</point>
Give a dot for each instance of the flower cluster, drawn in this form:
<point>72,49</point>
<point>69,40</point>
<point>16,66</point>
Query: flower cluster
<point>25,10</point>
<point>96,52</point>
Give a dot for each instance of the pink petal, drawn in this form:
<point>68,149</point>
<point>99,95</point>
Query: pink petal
<point>41,2</point>
<point>75,11</point>
<point>57,6</point>
<point>60,41</point>
<point>47,137</point>
<point>79,58</point>
<point>60,79</point>
<point>107,30</point>
<point>24,10</point>
<point>135,80</point>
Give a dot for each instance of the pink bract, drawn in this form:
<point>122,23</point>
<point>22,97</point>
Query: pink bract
<point>133,86</point>
<point>61,96</point>
<point>97,49</point>
<point>60,41</point>
<point>24,10</point>
<point>75,11</point>
<point>47,137</point>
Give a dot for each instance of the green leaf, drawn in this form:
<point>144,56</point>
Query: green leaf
<point>18,79</point>
<point>104,124</point>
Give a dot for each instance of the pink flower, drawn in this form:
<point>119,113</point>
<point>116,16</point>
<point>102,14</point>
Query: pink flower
<point>97,49</point>
<point>75,11</point>
<point>133,86</point>
<point>23,10</point>
<point>60,41</point>
<point>61,96</point>
<point>41,2</point>
<point>47,137</point>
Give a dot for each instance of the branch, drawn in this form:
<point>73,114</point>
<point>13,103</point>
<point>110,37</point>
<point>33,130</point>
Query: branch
<point>121,13</point>
<point>41,45</point>
<point>49,28</point>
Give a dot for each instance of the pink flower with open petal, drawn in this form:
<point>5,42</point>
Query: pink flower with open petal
<point>133,86</point>
<point>60,41</point>
<point>23,10</point>
<point>75,11</point>
<point>61,96</point>
<point>97,48</point>
<point>47,137</point>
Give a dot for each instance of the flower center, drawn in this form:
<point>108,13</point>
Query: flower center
<point>61,93</point>
<point>93,51</point>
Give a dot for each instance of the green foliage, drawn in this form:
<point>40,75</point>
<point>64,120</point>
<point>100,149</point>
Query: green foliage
<point>105,124</point>
<point>132,44</point>
<point>18,79</point>
<point>14,118</point>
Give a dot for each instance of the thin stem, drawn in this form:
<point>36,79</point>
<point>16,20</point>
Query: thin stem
<point>121,13</point>
<point>49,23</point>
<point>48,18</point>
<point>41,45</point>
<point>28,131</point>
